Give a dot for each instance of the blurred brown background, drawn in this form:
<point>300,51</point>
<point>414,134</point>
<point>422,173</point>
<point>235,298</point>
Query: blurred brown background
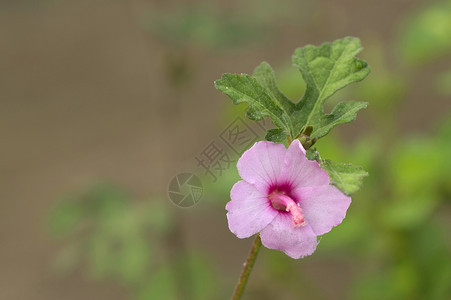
<point>85,94</point>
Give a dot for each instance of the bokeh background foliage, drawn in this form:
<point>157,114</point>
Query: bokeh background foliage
<point>121,238</point>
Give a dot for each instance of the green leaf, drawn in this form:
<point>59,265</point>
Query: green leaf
<point>346,177</point>
<point>242,88</point>
<point>265,77</point>
<point>327,69</point>
<point>344,112</point>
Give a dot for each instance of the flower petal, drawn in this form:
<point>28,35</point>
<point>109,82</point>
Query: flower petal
<point>296,242</point>
<point>323,207</point>
<point>261,164</point>
<point>298,171</point>
<point>249,211</point>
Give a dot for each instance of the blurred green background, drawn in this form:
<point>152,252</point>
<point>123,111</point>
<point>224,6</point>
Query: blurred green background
<point>103,102</point>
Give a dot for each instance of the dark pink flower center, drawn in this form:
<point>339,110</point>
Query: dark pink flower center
<point>280,200</point>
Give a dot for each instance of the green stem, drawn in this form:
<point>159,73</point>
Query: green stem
<point>247,268</point>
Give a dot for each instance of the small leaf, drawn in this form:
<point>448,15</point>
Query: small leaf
<point>346,177</point>
<point>327,69</point>
<point>242,88</point>
<point>344,112</point>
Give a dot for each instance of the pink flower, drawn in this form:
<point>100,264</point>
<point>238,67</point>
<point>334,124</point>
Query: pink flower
<point>285,197</point>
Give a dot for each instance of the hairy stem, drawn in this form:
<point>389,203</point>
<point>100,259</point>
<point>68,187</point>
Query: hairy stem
<point>248,265</point>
